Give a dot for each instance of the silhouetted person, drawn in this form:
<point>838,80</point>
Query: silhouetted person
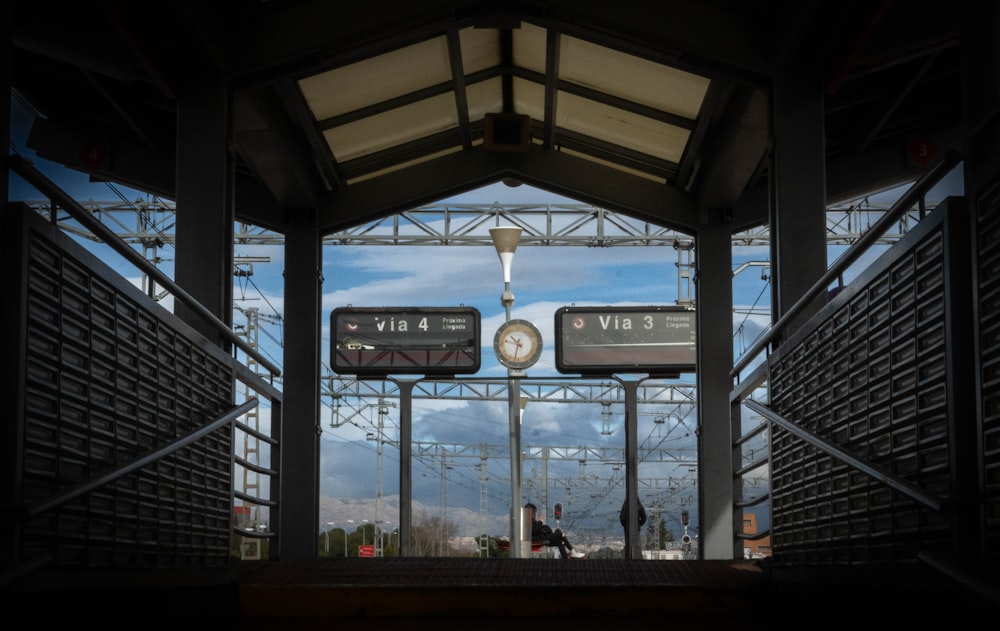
<point>623,516</point>
<point>543,533</point>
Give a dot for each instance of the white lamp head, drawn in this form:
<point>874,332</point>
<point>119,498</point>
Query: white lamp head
<point>505,240</point>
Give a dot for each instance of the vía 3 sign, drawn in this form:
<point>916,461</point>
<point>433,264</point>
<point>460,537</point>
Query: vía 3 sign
<point>605,340</point>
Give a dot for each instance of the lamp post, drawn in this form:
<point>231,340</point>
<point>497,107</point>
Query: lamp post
<point>381,537</point>
<point>505,240</point>
<point>363,540</point>
<point>350,521</point>
<point>328,524</point>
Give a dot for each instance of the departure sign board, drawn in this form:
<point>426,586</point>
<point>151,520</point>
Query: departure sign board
<point>606,340</point>
<point>390,340</point>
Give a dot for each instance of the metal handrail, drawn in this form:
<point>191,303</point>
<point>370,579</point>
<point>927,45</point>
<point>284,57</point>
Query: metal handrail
<point>35,177</point>
<point>927,181</point>
<point>754,501</point>
<point>86,486</point>
<point>757,536</point>
<point>971,581</point>
<point>933,503</point>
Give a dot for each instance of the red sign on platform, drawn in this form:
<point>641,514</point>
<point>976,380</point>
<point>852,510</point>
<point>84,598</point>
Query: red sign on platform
<point>366,551</point>
<point>922,151</point>
<point>95,154</point>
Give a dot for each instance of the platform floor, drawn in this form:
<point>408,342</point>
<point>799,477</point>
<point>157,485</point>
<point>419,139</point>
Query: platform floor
<point>449,594</point>
<point>507,588</point>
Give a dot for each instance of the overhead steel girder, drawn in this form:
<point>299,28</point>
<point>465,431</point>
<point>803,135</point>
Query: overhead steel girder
<point>560,390</point>
<point>553,171</point>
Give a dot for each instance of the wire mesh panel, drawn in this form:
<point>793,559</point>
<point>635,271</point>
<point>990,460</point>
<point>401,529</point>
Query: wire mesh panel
<point>112,376</point>
<point>870,375</point>
<point>989,340</point>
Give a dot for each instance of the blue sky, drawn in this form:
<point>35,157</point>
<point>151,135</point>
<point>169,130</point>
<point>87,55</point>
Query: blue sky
<point>543,279</point>
<point>451,476</point>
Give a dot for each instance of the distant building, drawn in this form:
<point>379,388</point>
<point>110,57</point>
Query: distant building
<point>754,548</point>
<point>663,555</point>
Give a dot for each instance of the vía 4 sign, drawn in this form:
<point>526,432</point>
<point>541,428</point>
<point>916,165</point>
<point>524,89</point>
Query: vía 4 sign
<point>395,340</point>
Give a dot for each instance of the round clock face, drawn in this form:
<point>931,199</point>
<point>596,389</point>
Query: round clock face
<point>518,344</point>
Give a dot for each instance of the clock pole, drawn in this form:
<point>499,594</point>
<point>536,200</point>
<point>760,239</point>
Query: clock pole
<point>505,240</point>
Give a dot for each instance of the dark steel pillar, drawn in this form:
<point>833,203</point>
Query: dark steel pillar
<point>300,437</point>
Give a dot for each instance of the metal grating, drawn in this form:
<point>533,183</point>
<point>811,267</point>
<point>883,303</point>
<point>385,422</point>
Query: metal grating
<point>989,371</point>
<point>110,377</point>
<point>869,375</point>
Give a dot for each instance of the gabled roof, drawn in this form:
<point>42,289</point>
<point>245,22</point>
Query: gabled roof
<point>360,110</point>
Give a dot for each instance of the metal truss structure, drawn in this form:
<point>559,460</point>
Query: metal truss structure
<point>151,223</point>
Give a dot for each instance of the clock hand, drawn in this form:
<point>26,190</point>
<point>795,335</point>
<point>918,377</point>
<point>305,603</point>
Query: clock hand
<point>517,344</point>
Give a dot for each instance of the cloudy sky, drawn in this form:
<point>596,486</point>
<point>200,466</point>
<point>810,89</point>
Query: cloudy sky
<point>572,450</point>
<point>460,464</point>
